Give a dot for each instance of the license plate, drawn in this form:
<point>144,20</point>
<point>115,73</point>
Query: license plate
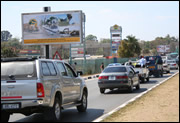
<point>151,66</point>
<point>112,78</point>
<point>10,106</point>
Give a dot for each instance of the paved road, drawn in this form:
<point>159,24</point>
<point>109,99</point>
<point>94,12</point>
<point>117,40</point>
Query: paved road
<point>98,104</point>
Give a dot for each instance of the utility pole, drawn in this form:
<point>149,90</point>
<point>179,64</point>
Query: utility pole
<point>48,48</point>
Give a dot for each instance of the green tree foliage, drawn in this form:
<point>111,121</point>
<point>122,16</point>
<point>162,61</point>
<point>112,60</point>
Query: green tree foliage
<point>129,47</point>
<point>152,45</point>
<point>105,41</point>
<point>5,35</point>
<point>8,51</point>
<point>91,37</point>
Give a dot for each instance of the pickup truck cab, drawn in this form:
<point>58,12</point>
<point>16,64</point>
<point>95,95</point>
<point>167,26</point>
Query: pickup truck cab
<point>143,71</point>
<point>40,86</point>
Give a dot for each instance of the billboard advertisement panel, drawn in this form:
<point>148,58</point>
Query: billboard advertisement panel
<point>116,37</point>
<point>163,48</point>
<point>77,50</point>
<point>52,27</point>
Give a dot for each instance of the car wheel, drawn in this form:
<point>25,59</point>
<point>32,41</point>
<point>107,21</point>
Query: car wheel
<point>147,79</point>
<point>102,90</point>
<point>130,89</point>
<point>54,113</point>
<point>142,79</point>
<point>138,86</point>
<point>5,116</point>
<point>83,106</point>
<point>161,73</point>
<point>156,74</point>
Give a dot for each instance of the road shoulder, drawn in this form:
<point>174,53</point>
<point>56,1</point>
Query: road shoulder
<point>161,104</point>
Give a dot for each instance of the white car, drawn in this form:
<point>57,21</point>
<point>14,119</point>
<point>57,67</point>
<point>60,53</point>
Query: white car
<point>166,66</point>
<point>173,64</point>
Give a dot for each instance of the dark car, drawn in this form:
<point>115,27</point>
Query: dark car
<point>118,77</point>
<point>155,65</point>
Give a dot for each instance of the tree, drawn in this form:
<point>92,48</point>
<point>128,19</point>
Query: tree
<point>91,37</point>
<point>5,35</point>
<point>123,49</point>
<point>129,47</point>
<point>105,41</point>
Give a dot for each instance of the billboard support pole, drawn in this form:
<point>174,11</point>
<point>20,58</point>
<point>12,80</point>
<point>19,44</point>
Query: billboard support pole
<point>70,62</point>
<point>111,45</point>
<point>47,47</point>
<point>84,41</point>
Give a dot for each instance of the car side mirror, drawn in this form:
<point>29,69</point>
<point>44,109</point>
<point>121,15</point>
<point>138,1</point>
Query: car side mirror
<point>79,73</point>
<point>137,72</point>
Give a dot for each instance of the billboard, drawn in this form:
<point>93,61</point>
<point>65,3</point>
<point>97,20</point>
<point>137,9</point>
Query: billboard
<point>77,50</point>
<point>116,37</point>
<point>163,48</point>
<point>52,28</point>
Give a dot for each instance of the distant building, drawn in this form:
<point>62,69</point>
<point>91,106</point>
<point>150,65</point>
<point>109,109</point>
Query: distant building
<point>28,52</point>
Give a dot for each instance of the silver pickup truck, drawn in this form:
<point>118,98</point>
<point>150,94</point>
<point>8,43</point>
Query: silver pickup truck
<point>40,86</point>
<point>143,71</point>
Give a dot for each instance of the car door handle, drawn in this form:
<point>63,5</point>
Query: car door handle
<point>11,86</point>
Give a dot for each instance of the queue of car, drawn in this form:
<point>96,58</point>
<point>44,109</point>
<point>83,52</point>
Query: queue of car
<point>47,86</point>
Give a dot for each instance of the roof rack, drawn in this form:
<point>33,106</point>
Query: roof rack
<point>19,59</point>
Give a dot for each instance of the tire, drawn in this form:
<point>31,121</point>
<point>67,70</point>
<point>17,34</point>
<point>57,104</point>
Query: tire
<point>147,79</point>
<point>55,112</point>
<point>161,73</point>
<point>142,79</point>
<point>130,89</point>
<point>157,74</point>
<point>102,90</point>
<point>5,116</point>
<point>138,86</point>
<point>83,106</point>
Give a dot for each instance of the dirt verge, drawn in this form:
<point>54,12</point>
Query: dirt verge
<point>159,105</point>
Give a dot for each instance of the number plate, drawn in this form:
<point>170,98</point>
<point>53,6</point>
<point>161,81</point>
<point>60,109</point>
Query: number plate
<point>112,78</point>
<point>151,66</point>
<point>10,106</point>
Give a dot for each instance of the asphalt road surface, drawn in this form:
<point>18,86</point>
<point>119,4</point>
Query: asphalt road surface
<point>98,104</point>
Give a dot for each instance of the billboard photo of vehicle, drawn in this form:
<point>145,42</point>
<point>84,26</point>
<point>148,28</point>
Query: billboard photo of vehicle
<point>52,27</point>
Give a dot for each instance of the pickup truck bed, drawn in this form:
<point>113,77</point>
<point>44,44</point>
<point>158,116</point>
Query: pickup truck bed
<point>143,73</point>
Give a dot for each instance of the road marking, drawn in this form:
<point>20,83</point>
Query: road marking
<point>133,99</point>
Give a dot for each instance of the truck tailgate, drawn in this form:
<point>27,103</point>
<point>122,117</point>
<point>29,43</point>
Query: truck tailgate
<point>18,89</point>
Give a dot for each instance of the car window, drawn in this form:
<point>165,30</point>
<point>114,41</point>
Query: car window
<point>114,69</point>
<point>131,69</point>
<point>17,68</point>
<point>71,73</point>
<point>61,69</point>
<point>51,68</point>
<point>48,69</point>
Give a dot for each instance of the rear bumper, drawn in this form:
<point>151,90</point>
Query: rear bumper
<point>25,106</point>
<point>173,67</point>
<point>166,69</point>
<point>113,84</point>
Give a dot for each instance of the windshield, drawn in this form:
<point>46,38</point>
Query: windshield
<point>114,64</point>
<point>17,68</point>
<point>115,69</point>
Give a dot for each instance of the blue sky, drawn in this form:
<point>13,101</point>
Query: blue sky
<point>144,19</point>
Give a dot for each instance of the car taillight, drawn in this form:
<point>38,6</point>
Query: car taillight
<point>40,90</point>
<point>174,64</point>
<point>103,77</point>
<point>121,77</point>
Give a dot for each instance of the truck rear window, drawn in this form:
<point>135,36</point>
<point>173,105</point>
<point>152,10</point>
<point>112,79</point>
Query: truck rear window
<point>17,68</point>
<point>114,69</point>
